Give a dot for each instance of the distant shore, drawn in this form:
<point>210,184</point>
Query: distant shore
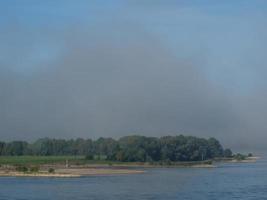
<point>39,174</point>
<point>250,159</point>
<point>62,171</point>
<point>71,173</point>
<point>101,168</point>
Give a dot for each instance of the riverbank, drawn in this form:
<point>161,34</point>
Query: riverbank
<point>63,171</point>
<point>251,159</point>
<point>99,168</point>
<point>39,174</point>
<point>70,172</point>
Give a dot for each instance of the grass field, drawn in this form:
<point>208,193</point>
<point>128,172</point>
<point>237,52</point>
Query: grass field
<point>80,160</point>
<point>23,160</point>
<point>40,160</point>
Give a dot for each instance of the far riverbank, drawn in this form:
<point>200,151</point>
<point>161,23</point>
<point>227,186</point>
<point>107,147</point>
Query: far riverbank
<point>79,168</point>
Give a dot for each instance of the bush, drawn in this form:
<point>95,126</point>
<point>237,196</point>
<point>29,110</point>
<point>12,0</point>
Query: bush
<point>34,169</point>
<point>240,156</point>
<point>51,170</point>
<point>89,157</point>
<point>228,153</point>
<point>250,155</point>
<point>97,157</point>
<point>22,168</point>
<point>209,162</point>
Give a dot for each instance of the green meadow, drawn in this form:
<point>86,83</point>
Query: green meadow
<point>38,160</point>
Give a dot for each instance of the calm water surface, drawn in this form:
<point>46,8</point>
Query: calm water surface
<point>228,181</point>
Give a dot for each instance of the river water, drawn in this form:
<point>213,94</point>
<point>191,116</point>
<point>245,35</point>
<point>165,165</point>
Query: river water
<point>227,181</point>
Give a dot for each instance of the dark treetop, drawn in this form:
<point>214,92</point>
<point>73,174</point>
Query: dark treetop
<point>129,148</point>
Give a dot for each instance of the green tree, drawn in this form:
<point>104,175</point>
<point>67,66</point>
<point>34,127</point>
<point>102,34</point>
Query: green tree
<point>228,153</point>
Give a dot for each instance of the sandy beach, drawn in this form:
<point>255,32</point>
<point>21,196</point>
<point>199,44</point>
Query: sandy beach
<point>90,170</point>
<point>71,172</point>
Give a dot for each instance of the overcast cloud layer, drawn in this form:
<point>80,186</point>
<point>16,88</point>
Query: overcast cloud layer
<point>153,68</point>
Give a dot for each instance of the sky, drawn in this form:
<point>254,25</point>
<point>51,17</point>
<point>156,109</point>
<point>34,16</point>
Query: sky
<point>112,68</point>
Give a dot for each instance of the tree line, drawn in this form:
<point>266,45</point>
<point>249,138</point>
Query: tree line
<point>128,149</point>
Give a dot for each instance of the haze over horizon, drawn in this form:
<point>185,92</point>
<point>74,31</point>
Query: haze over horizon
<point>112,68</point>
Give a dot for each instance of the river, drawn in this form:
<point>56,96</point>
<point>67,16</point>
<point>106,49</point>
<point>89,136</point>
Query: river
<point>244,181</point>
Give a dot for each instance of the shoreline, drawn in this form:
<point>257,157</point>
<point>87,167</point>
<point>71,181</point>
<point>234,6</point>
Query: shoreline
<point>96,169</point>
<point>71,172</point>
<point>55,175</point>
<point>251,159</point>
<point>70,175</point>
<point>247,160</point>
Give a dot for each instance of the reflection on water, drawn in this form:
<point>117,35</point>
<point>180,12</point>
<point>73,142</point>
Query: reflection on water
<point>228,181</point>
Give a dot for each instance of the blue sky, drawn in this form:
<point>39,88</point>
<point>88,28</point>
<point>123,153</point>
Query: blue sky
<point>222,34</point>
<point>223,42</point>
